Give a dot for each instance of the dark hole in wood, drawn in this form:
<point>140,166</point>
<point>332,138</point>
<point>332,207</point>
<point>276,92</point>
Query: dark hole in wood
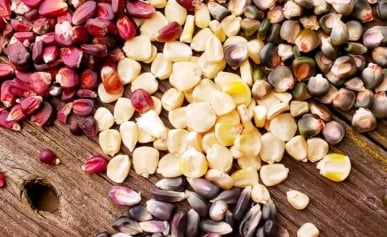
<point>41,196</point>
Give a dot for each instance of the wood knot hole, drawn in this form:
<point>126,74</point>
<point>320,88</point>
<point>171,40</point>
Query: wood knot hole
<point>41,196</point>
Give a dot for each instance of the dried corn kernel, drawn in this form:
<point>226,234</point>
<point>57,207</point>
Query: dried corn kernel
<point>260,194</point>
<point>220,178</point>
<point>317,148</point>
<point>145,160</point>
<point>297,199</point>
<point>254,48</point>
<point>118,168</point>
<point>177,52</point>
<point>178,118</point>
<point>272,148</point>
<point>161,67</point>
<point>219,157</point>
<point>222,103</point>
<point>239,91</point>
<point>128,69</point>
<point>188,30</point>
<point>232,118</point>
<point>193,163</point>
<point>172,99</point>
<point>185,75</point>
<point>217,30</point>
<point>151,27</point>
<point>214,50</point>
<point>249,143</point>
<point>308,230</point>
<point>297,148</point>
<point>210,69</point>
<point>110,141</point>
<point>335,167</point>
<point>273,174</point>
<point>245,177</point>
<point>199,40</point>
<point>152,124</point>
<point>177,140</point>
<point>138,48</point>
<point>200,116</point>
<point>208,140</point>
<point>259,115</point>
<point>194,139</point>
<point>231,25</point>
<point>226,132</point>
<point>146,81</point>
<point>254,162</point>
<point>104,118</point>
<point>202,16</point>
<point>169,165</point>
<point>283,126</point>
<point>129,134</point>
<point>106,97</point>
<point>173,11</point>
<point>123,110</point>
<point>204,90</point>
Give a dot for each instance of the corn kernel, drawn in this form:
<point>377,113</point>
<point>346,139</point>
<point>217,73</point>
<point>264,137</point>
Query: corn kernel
<point>231,25</point>
<point>194,139</point>
<point>297,148</point>
<point>202,16</point>
<point>222,103</point>
<point>138,48</point>
<point>226,132</point>
<point>161,67</point>
<point>177,140</point>
<point>177,51</point>
<point>173,11</point>
<point>200,116</point>
<point>249,142</point>
<point>128,69</point>
<point>152,124</point>
<point>252,161</point>
<point>110,141</point>
<point>214,50</point>
<point>188,30</point>
<point>273,174</point>
<point>260,194</point>
<point>172,99</point>
<point>151,27</point>
<point>308,230</point>
<point>145,160</point>
<point>185,75</point>
<point>217,30</point>
<point>259,115</point>
<point>219,157</point>
<point>193,163</point>
<point>123,110</point>
<point>204,90</point>
<point>232,118</point>
<point>245,177</point>
<point>129,134</point>
<point>146,81</point>
<point>177,117</point>
<point>335,167</point>
<point>169,165</point>
<point>272,148</point>
<point>297,199</point>
<point>239,91</point>
<point>220,178</point>
<point>199,40</point>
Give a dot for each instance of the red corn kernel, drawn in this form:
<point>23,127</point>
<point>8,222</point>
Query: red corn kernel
<point>37,51</point>
<point>190,5</point>
<point>96,27</point>
<point>80,35</point>
<point>117,6</point>
<point>110,80</point>
<point>4,123</point>
<point>49,38</point>
<point>16,114</point>
<point>44,116</point>
<point>6,71</point>
<point>20,24</point>
<point>50,53</point>
<point>83,107</point>
<point>84,12</point>
<point>99,50</point>
<point>52,8</point>
<point>95,164</point>
<point>89,126</point>
<point>17,53</point>
<point>2,180</point>
<point>25,36</point>
<point>20,88</point>
<point>141,100</point>
<point>74,128</point>
<point>5,8</point>
<point>49,157</point>
<point>170,32</point>
<point>64,112</point>
<point>115,55</point>
<point>67,78</point>
<point>63,32</point>
<point>126,28</point>
<point>40,82</point>
<point>68,95</point>
<point>109,41</point>
<point>32,14</point>
<point>140,9</point>
<point>31,104</point>
<point>41,26</point>
<point>32,3</point>
<point>105,11</point>
<point>51,66</point>
<point>6,96</point>
<point>86,93</point>
<point>71,56</point>
<point>89,79</point>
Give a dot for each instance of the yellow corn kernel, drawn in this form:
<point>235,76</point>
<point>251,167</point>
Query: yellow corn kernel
<point>220,178</point>
<point>188,30</point>
<point>227,132</point>
<point>172,99</point>
<point>169,165</point>
<point>194,139</point>
<point>245,177</point>
<point>193,163</point>
<point>335,167</point>
<point>219,157</point>
<point>208,140</point>
<point>202,16</point>
<point>217,30</point>
<point>249,143</point>
<point>232,117</point>
<point>239,91</point>
<point>145,160</point>
<point>177,117</point>
<point>177,140</point>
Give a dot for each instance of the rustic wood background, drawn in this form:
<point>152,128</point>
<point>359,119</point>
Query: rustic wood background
<point>351,208</point>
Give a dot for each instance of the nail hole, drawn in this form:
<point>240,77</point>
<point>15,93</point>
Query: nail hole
<point>41,196</point>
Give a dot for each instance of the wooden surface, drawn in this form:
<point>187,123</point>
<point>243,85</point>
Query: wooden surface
<point>351,208</point>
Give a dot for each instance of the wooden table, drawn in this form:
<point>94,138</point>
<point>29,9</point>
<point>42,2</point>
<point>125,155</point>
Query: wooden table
<point>351,208</point>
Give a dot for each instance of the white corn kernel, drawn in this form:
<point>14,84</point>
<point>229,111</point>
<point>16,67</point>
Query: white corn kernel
<point>208,140</point>
<point>129,134</point>
<point>245,177</point>
<point>298,108</point>
<point>138,48</point>
<point>249,143</point>
<point>237,7</point>
<point>211,69</point>
<point>157,106</point>
<point>214,50</point>
<point>259,115</point>
<point>188,29</point>
<point>204,90</point>
<point>202,16</point>
<point>143,136</point>
<point>177,140</point>
<point>272,148</point>
<point>151,27</point>
<point>297,199</point>
<point>153,55</point>
<point>146,81</point>
<point>260,194</point>
<point>335,167</point>
<point>161,67</point>
<point>128,69</point>
<point>194,139</point>
<point>193,163</point>
<point>178,118</point>
<point>308,230</point>
<point>158,3</point>
<point>169,165</point>
<point>273,174</point>
<point>317,148</point>
<point>185,75</point>
<point>283,126</point>
<point>297,148</point>
<point>118,168</point>
<point>245,118</point>
<point>173,11</point>
<point>123,110</point>
<point>254,47</point>
<point>172,99</point>
<point>222,103</point>
<point>220,178</point>
<point>145,160</point>
<point>246,72</point>
<point>177,51</point>
<point>199,40</point>
<point>232,118</point>
<point>110,141</point>
<point>106,97</point>
<point>152,124</point>
<point>104,118</point>
<point>200,116</point>
<point>219,157</point>
<point>231,25</point>
<point>217,30</point>
<point>160,144</point>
